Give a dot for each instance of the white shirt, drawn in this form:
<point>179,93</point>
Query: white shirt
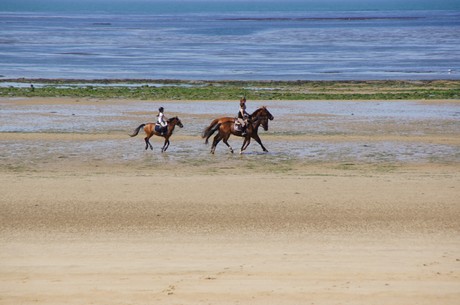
<point>161,119</point>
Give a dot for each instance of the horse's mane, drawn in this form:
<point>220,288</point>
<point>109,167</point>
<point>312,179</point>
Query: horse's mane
<point>256,112</point>
<point>171,119</point>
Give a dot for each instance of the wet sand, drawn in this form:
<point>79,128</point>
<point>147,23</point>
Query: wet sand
<point>327,217</point>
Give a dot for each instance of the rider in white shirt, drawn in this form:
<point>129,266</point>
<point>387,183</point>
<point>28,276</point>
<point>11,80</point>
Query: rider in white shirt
<point>161,119</point>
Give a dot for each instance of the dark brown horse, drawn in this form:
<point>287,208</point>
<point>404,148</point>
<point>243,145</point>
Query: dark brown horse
<point>149,129</point>
<point>226,127</point>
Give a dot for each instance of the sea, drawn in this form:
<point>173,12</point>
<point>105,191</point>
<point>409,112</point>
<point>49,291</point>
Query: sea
<point>230,39</point>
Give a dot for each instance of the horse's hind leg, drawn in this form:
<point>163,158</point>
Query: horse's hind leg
<point>226,143</point>
<point>147,143</point>
<point>216,140</point>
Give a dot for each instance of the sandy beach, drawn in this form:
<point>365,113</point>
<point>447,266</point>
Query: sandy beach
<point>347,209</point>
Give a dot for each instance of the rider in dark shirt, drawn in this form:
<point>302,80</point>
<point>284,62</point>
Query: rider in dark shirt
<point>243,116</point>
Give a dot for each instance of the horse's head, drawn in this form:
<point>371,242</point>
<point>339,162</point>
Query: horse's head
<point>175,121</point>
<point>269,115</point>
<point>263,115</point>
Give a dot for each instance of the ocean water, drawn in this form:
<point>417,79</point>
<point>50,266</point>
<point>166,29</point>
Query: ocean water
<point>230,40</point>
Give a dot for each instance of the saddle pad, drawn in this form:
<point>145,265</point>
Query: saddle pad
<point>158,128</point>
<point>237,126</point>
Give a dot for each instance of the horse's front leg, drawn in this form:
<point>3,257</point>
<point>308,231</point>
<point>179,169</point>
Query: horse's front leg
<point>256,137</point>
<point>245,145</point>
<point>165,146</point>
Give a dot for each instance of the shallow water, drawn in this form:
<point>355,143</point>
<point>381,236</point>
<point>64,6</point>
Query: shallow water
<point>282,155</point>
<point>291,135</point>
<point>329,117</point>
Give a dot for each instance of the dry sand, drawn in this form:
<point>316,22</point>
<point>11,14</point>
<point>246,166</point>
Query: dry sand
<point>80,230</point>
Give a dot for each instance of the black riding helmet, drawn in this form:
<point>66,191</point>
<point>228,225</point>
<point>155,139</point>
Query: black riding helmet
<point>161,109</point>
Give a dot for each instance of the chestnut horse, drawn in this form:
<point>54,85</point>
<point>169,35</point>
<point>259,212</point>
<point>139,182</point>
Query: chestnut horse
<point>149,129</point>
<point>226,127</point>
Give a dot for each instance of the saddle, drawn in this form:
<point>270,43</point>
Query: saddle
<point>160,129</point>
<point>238,126</point>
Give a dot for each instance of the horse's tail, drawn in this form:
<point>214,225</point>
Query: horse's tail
<point>208,131</point>
<point>136,131</point>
